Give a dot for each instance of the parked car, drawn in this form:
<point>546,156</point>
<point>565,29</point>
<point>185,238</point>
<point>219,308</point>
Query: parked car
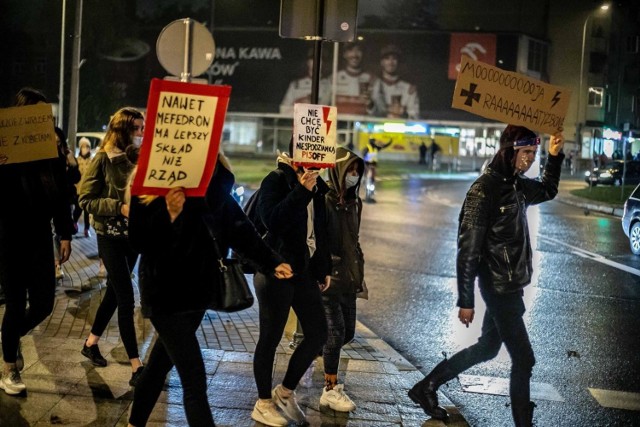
<point>631,220</point>
<point>611,173</point>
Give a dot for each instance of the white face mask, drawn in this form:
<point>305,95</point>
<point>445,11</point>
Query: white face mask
<point>351,180</point>
<point>137,141</point>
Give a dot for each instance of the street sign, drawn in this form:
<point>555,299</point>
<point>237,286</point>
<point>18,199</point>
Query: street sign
<point>185,48</point>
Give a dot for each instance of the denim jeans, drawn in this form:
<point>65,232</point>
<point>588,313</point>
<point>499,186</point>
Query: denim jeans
<point>502,323</point>
<point>119,259</point>
<point>176,345</point>
<point>275,298</point>
<point>340,312</point>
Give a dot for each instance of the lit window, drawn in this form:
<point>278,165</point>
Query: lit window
<point>596,95</point>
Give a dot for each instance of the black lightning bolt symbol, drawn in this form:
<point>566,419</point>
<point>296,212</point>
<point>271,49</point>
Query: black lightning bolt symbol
<point>555,99</point>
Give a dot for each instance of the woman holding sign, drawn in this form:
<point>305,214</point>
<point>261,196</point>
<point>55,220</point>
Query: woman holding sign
<point>292,207</point>
<point>178,275</point>
<point>102,195</point>
<point>35,192</point>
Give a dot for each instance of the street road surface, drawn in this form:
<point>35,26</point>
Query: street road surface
<point>582,306</point>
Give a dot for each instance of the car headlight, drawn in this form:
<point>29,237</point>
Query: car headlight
<point>605,175</point>
<point>587,174</point>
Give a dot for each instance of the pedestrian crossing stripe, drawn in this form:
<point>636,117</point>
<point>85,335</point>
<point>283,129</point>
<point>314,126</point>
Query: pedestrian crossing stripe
<point>616,399</point>
<point>500,387</point>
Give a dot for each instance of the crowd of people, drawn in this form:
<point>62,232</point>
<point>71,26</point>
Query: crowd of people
<point>310,260</point>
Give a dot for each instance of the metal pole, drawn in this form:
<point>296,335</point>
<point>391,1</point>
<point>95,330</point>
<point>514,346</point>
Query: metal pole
<point>579,105</point>
<point>185,76</point>
<point>61,84</point>
<point>76,63</point>
<point>334,73</point>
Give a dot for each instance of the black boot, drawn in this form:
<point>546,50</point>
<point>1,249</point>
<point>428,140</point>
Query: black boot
<point>523,414</point>
<point>424,393</point>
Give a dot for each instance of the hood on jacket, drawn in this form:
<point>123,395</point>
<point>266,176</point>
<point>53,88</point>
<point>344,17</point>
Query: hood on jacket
<point>344,159</point>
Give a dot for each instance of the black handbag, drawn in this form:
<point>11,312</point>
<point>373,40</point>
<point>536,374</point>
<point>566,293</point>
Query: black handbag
<point>233,293</point>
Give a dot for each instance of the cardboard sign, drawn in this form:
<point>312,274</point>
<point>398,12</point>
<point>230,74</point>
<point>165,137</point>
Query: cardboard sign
<point>26,134</point>
<point>314,135</point>
<point>181,137</point>
<point>510,97</point>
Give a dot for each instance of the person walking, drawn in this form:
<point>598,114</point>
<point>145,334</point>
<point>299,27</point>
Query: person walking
<point>344,210</point>
<point>35,194</point>
<point>494,246</point>
<point>178,277</point>
<point>84,160</point>
<point>102,195</point>
<point>291,206</point>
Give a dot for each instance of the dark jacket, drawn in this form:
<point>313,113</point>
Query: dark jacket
<point>493,235</point>
<point>282,206</point>
<point>344,210</point>
<point>103,188</point>
<point>178,269</point>
<point>34,194</point>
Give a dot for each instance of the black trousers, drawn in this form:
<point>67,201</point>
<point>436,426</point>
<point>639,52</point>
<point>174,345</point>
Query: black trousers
<point>176,345</point>
<point>275,298</point>
<point>502,323</point>
<point>340,312</point>
<point>119,259</point>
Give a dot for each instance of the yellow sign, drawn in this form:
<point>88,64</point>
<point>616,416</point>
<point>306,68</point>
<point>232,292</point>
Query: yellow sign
<point>510,97</point>
<point>26,134</point>
<point>403,143</point>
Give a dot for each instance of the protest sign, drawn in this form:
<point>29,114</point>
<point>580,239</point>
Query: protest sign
<point>181,138</point>
<point>314,135</point>
<point>510,97</point>
<point>26,134</point>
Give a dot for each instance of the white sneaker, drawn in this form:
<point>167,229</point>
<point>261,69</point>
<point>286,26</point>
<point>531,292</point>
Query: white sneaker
<point>12,383</point>
<point>268,414</point>
<point>59,272</point>
<point>337,399</point>
<point>288,405</point>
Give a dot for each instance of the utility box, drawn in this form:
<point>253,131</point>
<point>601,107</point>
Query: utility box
<point>299,19</point>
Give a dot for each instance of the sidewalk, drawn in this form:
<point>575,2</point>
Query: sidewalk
<point>63,388</point>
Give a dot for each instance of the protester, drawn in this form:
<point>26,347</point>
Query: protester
<point>422,153</point>
<point>83,159</point>
<point>36,194</point>
<point>291,205</point>
<point>178,276</point>
<point>344,210</point>
<point>72,177</point>
<point>494,246</point>
<point>370,154</point>
<point>102,195</point>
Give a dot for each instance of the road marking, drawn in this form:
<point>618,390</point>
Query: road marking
<point>616,399</point>
<point>593,256</point>
<point>500,387</point>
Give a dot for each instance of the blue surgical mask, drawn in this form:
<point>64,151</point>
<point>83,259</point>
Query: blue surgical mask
<point>351,180</point>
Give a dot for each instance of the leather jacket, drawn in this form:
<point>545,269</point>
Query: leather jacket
<point>493,234</point>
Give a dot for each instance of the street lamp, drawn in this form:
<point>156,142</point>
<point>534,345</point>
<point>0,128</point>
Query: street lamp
<point>603,8</point>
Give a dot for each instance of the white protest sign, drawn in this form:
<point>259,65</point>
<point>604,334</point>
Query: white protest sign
<point>314,135</point>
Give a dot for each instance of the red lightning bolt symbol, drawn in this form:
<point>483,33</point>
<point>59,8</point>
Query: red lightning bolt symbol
<point>325,117</point>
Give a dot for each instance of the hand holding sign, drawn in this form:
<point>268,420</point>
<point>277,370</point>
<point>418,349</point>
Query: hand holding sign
<point>556,142</point>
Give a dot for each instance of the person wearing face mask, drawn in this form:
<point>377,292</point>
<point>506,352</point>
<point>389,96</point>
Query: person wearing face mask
<point>102,194</point>
<point>344,210</point>
<point>83,159</point>
<point>494,246</point>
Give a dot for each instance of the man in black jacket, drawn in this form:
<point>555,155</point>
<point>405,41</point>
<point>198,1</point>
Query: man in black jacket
<point>494,246</point>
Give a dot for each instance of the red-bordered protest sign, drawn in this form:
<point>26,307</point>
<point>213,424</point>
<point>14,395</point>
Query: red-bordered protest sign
<point>314,135</point>
<point>181,137</point>
<point>510,97</point>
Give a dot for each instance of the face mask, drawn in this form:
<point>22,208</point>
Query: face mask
<point>351,180</point>
<point>137,141</point>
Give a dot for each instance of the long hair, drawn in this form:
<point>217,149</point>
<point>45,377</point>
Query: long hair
<point>29,96</point>
<point>120,129</point>
<point>504,160</point>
